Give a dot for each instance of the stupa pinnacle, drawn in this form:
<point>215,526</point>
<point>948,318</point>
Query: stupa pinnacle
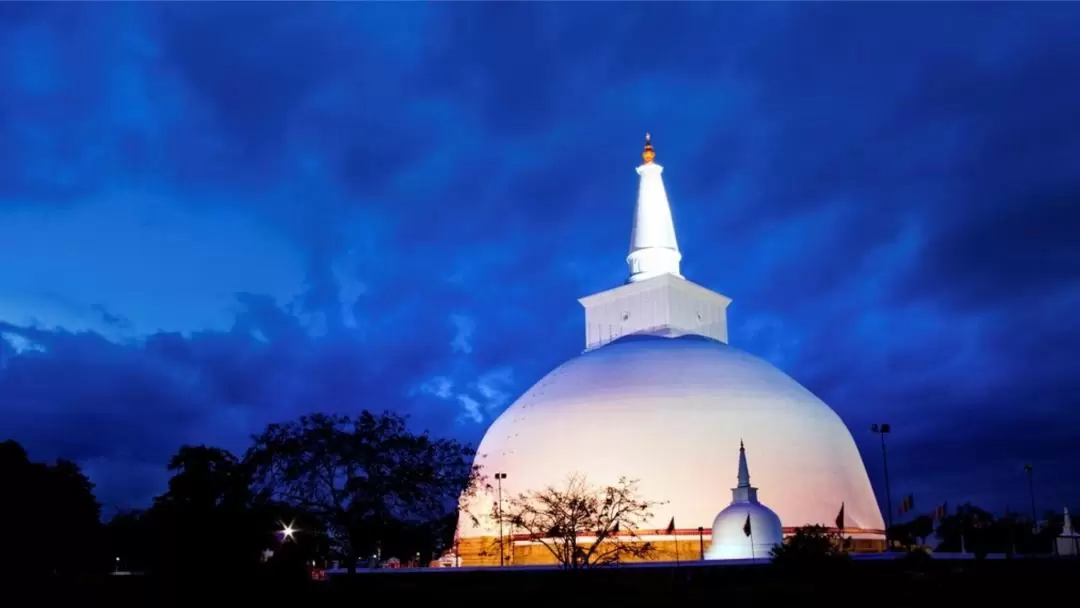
<point>653,248</point>
<point>656,300</point>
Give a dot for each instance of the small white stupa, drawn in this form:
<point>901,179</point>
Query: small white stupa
<point>746,529</point>
<point>1068,542</point>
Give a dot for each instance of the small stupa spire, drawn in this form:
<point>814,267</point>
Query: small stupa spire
<point>1067,528</point>
<point>744,492</point>
<point>744,469</point>
<point>653,248</point>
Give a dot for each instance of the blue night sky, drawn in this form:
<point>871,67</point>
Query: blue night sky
<point>215,216</point>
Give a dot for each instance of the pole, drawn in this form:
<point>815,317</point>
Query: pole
<point>753,557</point>
<point>1031,492</point>
<point>701,541</point>
<point>888,490</point>
<point>675,535</point>
<point>1012,532</point>
<point>883,429</point>
<point>498,478</point>
<point>618,549</point>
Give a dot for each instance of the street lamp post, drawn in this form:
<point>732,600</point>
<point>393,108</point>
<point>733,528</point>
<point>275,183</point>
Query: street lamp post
<point>884,429</point>
<point>498,479</point>
<point>701,541</point>
<point>1031,492</point>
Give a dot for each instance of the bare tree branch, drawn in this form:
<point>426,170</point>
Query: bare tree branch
<point>562,520</point>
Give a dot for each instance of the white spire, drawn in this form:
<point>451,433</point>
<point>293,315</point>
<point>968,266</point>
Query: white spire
<point>744,469</point>
<point>743,492</point>
<point>653,248</point>
<point>1067,529</point>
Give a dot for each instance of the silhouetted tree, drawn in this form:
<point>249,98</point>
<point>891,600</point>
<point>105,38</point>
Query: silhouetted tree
<point>364,478</point>
<point>811,547</point>
<point>51,518</point>
<point>561,519</point>
<point>207,477</point>
<point>129,541</point>
<point>978,532</point>
<point>965,528</point>
<point>208,521</point>
<point>913,532</point>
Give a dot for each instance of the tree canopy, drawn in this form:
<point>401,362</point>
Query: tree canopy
<point>51,516</point>
<point>208,519</point>
<point>362,477</point>
<point>811,547</point>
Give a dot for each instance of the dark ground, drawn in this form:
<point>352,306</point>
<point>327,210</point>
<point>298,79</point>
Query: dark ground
<point>877,583</point>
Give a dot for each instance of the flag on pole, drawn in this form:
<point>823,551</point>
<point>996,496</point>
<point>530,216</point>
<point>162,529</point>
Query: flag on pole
<point>943,509</point>
<point>671,526</point>
<point>907,504</point>
<point>746,527</point>
<point>840,518</point>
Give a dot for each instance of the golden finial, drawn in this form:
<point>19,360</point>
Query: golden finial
<point>649,153</point>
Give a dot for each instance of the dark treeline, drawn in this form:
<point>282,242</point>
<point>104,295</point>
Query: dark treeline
<point>974,530</point>
<point>350,487</point>
<point>356,490</point>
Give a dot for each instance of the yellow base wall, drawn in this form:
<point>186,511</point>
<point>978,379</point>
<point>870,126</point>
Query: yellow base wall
<point>484,551</point>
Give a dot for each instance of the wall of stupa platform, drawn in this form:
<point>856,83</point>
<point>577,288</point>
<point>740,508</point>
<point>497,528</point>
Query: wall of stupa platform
<point>484,551</point>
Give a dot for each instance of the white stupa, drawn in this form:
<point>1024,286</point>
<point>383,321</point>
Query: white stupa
<point>746,529</point>
<point>1068,542</point>
<point>656,390</point>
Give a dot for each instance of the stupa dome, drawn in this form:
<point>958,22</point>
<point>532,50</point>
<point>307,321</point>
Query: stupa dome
<point>665,411</point>
<point>730,541</point>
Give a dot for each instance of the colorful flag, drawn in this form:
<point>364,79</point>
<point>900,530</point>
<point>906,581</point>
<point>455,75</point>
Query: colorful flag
<point>671,526</point>
<point>941,511</point>
<point>840,518</point>
<point>746,527</point>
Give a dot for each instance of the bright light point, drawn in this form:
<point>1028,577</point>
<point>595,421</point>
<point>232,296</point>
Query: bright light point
<point>288,531</point>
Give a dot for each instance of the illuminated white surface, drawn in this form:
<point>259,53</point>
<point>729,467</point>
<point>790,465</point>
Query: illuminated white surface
<point>1067,543</point>
<point>665,411</point>
<point>730,542</point>
<point>664,305</point>
<point>653,248</point>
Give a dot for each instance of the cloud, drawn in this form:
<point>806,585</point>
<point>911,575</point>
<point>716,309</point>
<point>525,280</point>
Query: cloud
<point>464,327</point>
<point>214,216</point>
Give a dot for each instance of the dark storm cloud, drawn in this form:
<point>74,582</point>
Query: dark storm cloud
<point>90,399</point>
<point>887,191</point>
